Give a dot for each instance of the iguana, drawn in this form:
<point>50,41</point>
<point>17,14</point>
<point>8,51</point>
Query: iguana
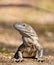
<point>30,46</point>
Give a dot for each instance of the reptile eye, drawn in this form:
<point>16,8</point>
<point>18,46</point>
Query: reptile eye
<point>23,24</point>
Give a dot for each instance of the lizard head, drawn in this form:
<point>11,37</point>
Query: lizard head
<point>24,28</point>
<point>21,27</point>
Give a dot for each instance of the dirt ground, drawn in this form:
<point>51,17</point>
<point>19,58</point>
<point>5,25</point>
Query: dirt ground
<point>49,60</point>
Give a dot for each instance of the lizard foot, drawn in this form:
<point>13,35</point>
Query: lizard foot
<point>40,60</point>
<point>18,60</point>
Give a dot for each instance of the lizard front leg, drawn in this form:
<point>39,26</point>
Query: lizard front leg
<point>39,53</point>
<point>18,55</point>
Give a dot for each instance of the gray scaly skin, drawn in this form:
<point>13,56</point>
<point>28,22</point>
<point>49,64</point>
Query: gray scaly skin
<point>30,46</point>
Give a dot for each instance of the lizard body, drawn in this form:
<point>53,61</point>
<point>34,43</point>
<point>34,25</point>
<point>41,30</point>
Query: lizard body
<point>30,46</point>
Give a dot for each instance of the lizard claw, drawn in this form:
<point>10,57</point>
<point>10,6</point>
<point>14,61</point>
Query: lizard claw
<point>18,60</point>
<point>40,60</point>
